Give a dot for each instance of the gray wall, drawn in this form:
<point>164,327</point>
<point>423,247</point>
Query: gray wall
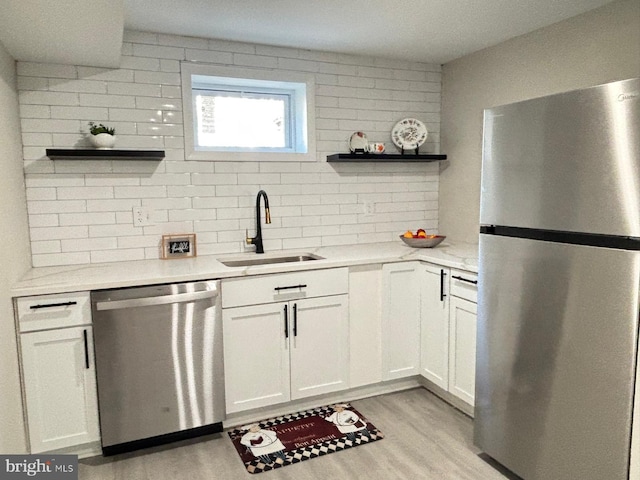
<point>15,259</point>
<point>597,47</point>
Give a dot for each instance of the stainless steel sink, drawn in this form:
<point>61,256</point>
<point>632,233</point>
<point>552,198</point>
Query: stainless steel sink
<point>268,260</point>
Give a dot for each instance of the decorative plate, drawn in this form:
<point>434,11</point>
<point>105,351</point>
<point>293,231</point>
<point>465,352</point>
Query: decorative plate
<point>409,134</point>
<point>358,142</point>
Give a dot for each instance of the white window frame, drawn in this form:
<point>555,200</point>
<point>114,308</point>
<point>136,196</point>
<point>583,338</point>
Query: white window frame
<point>192,79</point>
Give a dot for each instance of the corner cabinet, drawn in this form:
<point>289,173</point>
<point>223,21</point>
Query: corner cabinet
<point>400,320</point>
<point>434,331</point>
<point>58,371</point>
<point>448,330</point>
<point>463,318</point>
<point>285,336</point>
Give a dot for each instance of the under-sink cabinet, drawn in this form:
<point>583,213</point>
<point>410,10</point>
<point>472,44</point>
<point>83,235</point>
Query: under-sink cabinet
<point>58,370</point>
<point>285,336</point>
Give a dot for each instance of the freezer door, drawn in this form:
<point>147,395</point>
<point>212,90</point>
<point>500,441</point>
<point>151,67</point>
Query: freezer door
<point>556,358</point>
<point>568,162</point>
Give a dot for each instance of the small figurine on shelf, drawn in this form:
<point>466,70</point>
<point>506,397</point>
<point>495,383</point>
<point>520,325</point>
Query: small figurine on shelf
<point>102,137</point>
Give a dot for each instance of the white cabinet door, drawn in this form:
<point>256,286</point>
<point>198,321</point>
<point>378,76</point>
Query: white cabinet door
<point>319,345</point>
<point>400,320</point>
<point>60,388</point>
<point>434,352</point>
<point>256,356</point>
<point>365,316</point>
<point>462,349</point>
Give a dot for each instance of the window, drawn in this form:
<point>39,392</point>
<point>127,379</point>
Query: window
<point>230,114</point>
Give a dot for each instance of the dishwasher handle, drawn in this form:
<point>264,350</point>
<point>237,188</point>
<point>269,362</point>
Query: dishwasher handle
<point>157,300</point>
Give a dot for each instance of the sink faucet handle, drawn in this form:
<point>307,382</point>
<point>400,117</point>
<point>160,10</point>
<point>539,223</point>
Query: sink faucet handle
<point>267,215</point>
<point>248,239</point>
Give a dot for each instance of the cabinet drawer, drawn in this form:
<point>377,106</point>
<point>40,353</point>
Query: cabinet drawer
<point>464,285</point>
<point>45,312</point>
<point>238,292</point>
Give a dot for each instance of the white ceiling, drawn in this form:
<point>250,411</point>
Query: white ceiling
<point>73,32</point>
<point>434,31</point>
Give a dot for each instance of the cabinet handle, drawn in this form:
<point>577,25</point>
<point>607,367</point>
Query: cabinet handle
<point>295,319</point>
<point>442,294</point>
<point>286,322</point>
<point>277,289</point>
<point>462,279</point>
<point>52,305</point>
<point>86,349</point>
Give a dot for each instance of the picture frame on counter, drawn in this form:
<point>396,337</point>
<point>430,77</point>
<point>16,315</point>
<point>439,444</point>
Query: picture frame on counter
<point>178,246</point>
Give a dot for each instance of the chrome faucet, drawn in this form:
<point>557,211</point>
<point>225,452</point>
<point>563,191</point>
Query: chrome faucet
<point>257,240</point>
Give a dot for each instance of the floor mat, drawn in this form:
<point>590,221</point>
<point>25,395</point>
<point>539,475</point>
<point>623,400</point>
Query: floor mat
<point>281,441</point>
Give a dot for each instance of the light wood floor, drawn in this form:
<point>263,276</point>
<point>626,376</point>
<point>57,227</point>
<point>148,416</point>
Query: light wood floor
<point>425,438</point>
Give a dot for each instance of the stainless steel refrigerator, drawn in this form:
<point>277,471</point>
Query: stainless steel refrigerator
<point>559,278</point>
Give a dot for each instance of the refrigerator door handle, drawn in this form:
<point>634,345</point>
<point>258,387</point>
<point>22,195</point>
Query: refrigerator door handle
<point>442,294</point>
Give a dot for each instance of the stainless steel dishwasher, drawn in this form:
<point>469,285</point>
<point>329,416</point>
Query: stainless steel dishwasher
<point>159,363</point>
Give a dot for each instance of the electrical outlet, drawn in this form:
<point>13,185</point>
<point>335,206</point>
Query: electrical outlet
<point>369,209</point>
<point>141,217</point>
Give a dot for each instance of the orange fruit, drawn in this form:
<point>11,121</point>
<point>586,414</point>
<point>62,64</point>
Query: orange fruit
<point>408,234</point>
<point>422,234</point>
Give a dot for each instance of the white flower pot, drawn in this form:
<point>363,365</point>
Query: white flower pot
<point>102,141</point>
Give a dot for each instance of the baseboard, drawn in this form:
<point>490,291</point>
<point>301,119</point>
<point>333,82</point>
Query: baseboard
<point>242,418</point>
<point>451,399</point>
<point>85,450</point>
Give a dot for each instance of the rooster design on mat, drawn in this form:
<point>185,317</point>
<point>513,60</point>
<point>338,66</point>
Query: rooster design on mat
<point>348,422</point>
<point>263,444</point>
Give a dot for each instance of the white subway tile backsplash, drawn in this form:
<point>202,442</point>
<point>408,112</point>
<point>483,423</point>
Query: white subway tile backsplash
<point>113,230</point>
<point>33,83</point>
<point>255,60</point>
<point>134,89</point>
<point>34,97</point>
<point>98,114</point>
<point>88,244</point>
<point>80,211</point>
<point>46,246</point>
<point>86,193</point>
<point>116,101</point>
<point>159,103</point>
<point>35,111</point>
<point>80,86</point>
<point>102,218</point>
<point>160,129</point>
<point>119,255</point>
<point>139,63</point>
<point>155,51</point>
<point>52,259</point>
<point>50,70</point>
<point>58,233</point>
<point>160,78</point>
<point>209,56</point>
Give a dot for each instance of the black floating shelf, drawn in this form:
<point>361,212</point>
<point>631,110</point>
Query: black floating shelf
<point>92,153</point>
<point>385,157</point>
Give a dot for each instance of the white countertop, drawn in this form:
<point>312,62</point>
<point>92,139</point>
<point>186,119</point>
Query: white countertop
<point>47,280</point>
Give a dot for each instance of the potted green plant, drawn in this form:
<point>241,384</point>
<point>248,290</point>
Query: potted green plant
<point>102,137</point>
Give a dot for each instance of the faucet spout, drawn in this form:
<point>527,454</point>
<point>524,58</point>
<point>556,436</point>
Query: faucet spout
<point>257,240</point>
